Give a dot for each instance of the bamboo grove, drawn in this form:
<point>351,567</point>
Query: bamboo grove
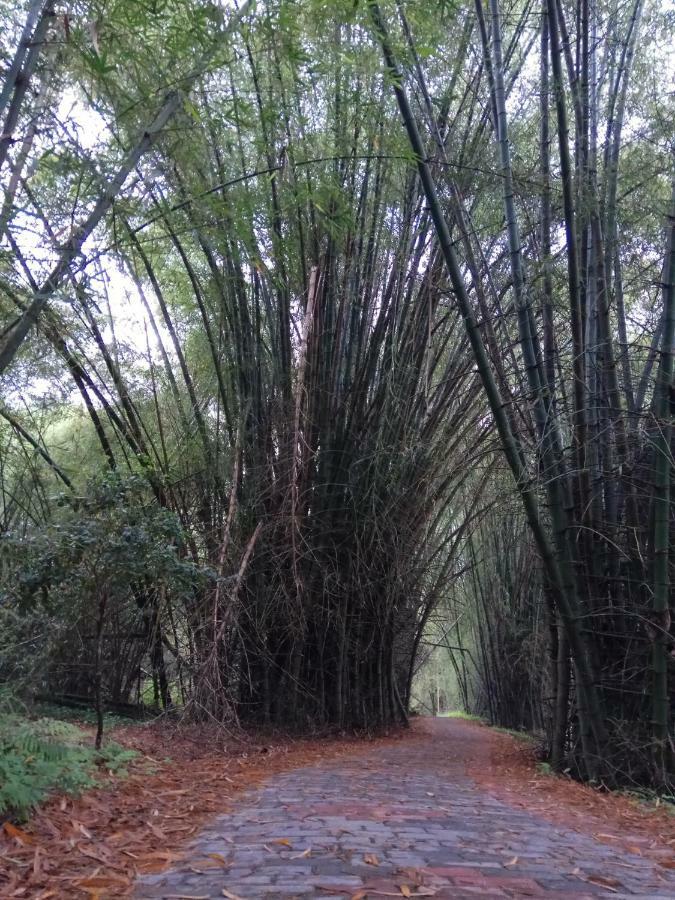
<point>367,312</point>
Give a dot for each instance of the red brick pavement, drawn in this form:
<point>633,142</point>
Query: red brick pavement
<point>400,820</point>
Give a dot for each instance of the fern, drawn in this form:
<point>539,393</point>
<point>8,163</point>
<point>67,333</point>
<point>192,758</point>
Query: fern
<point>45,755</point>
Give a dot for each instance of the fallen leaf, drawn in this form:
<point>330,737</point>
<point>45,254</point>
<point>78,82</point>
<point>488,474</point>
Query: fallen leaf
<point>155,855</point>
<point>610,884</point>
<point>405,890</point>
<point>78,826</point>
<point>283,841</point>
<point>103,881</point>
<point>372,893</point>
<point>202,865</point>
<point>92,854</point>
<point>18,833</point>
<point>158,833</point>
<point>186,897</point>
<point>511,862</point>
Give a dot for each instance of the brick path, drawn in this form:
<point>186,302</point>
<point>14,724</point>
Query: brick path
<point>399,820</point>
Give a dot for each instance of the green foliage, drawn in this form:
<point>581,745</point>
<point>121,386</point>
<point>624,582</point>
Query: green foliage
<point>28,640</point>
<point>47,755</point>
<point>524,736</point>
<point>95,563</point>
<point>81,716</point>
<point>106,541</point>
<point>460,714</point>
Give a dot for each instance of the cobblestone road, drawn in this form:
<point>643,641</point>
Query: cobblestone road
<point>400,820</point>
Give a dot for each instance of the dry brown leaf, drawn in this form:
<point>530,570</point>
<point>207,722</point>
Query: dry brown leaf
<point>405,890</point>
<point>610,884</point>
<point>283,841</point>
<point>203,865</point>
<point>103,881</point>
<point>78,826</point>
<point>186,897</point>
<point>157,854</point>
<point>17,833</point>
<point>158,833</point>
<point>373,893</point>
<point>371,859</point>
<point>102,855</point>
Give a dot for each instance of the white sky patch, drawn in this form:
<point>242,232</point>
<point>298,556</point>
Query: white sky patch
<point>91,128</point>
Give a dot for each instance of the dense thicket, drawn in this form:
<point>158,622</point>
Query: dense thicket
<point>597,455</point>
<point>362,308</point>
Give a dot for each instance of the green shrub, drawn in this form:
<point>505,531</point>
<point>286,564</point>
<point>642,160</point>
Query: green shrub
<point>41,756</point>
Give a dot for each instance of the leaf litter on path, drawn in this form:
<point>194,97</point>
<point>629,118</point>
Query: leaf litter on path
<point>509,770</point>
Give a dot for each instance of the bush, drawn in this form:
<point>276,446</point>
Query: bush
<point>84,596</point>
<point>46,755</point>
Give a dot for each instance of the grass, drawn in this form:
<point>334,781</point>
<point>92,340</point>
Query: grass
<point>78,716</point>
<point>526,736</point>
<point>652,799</point>
<point>469,717</point>
<point>460,714</point>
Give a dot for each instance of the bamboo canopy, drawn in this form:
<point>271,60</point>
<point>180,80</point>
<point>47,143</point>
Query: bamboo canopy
<point>358,323</point>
